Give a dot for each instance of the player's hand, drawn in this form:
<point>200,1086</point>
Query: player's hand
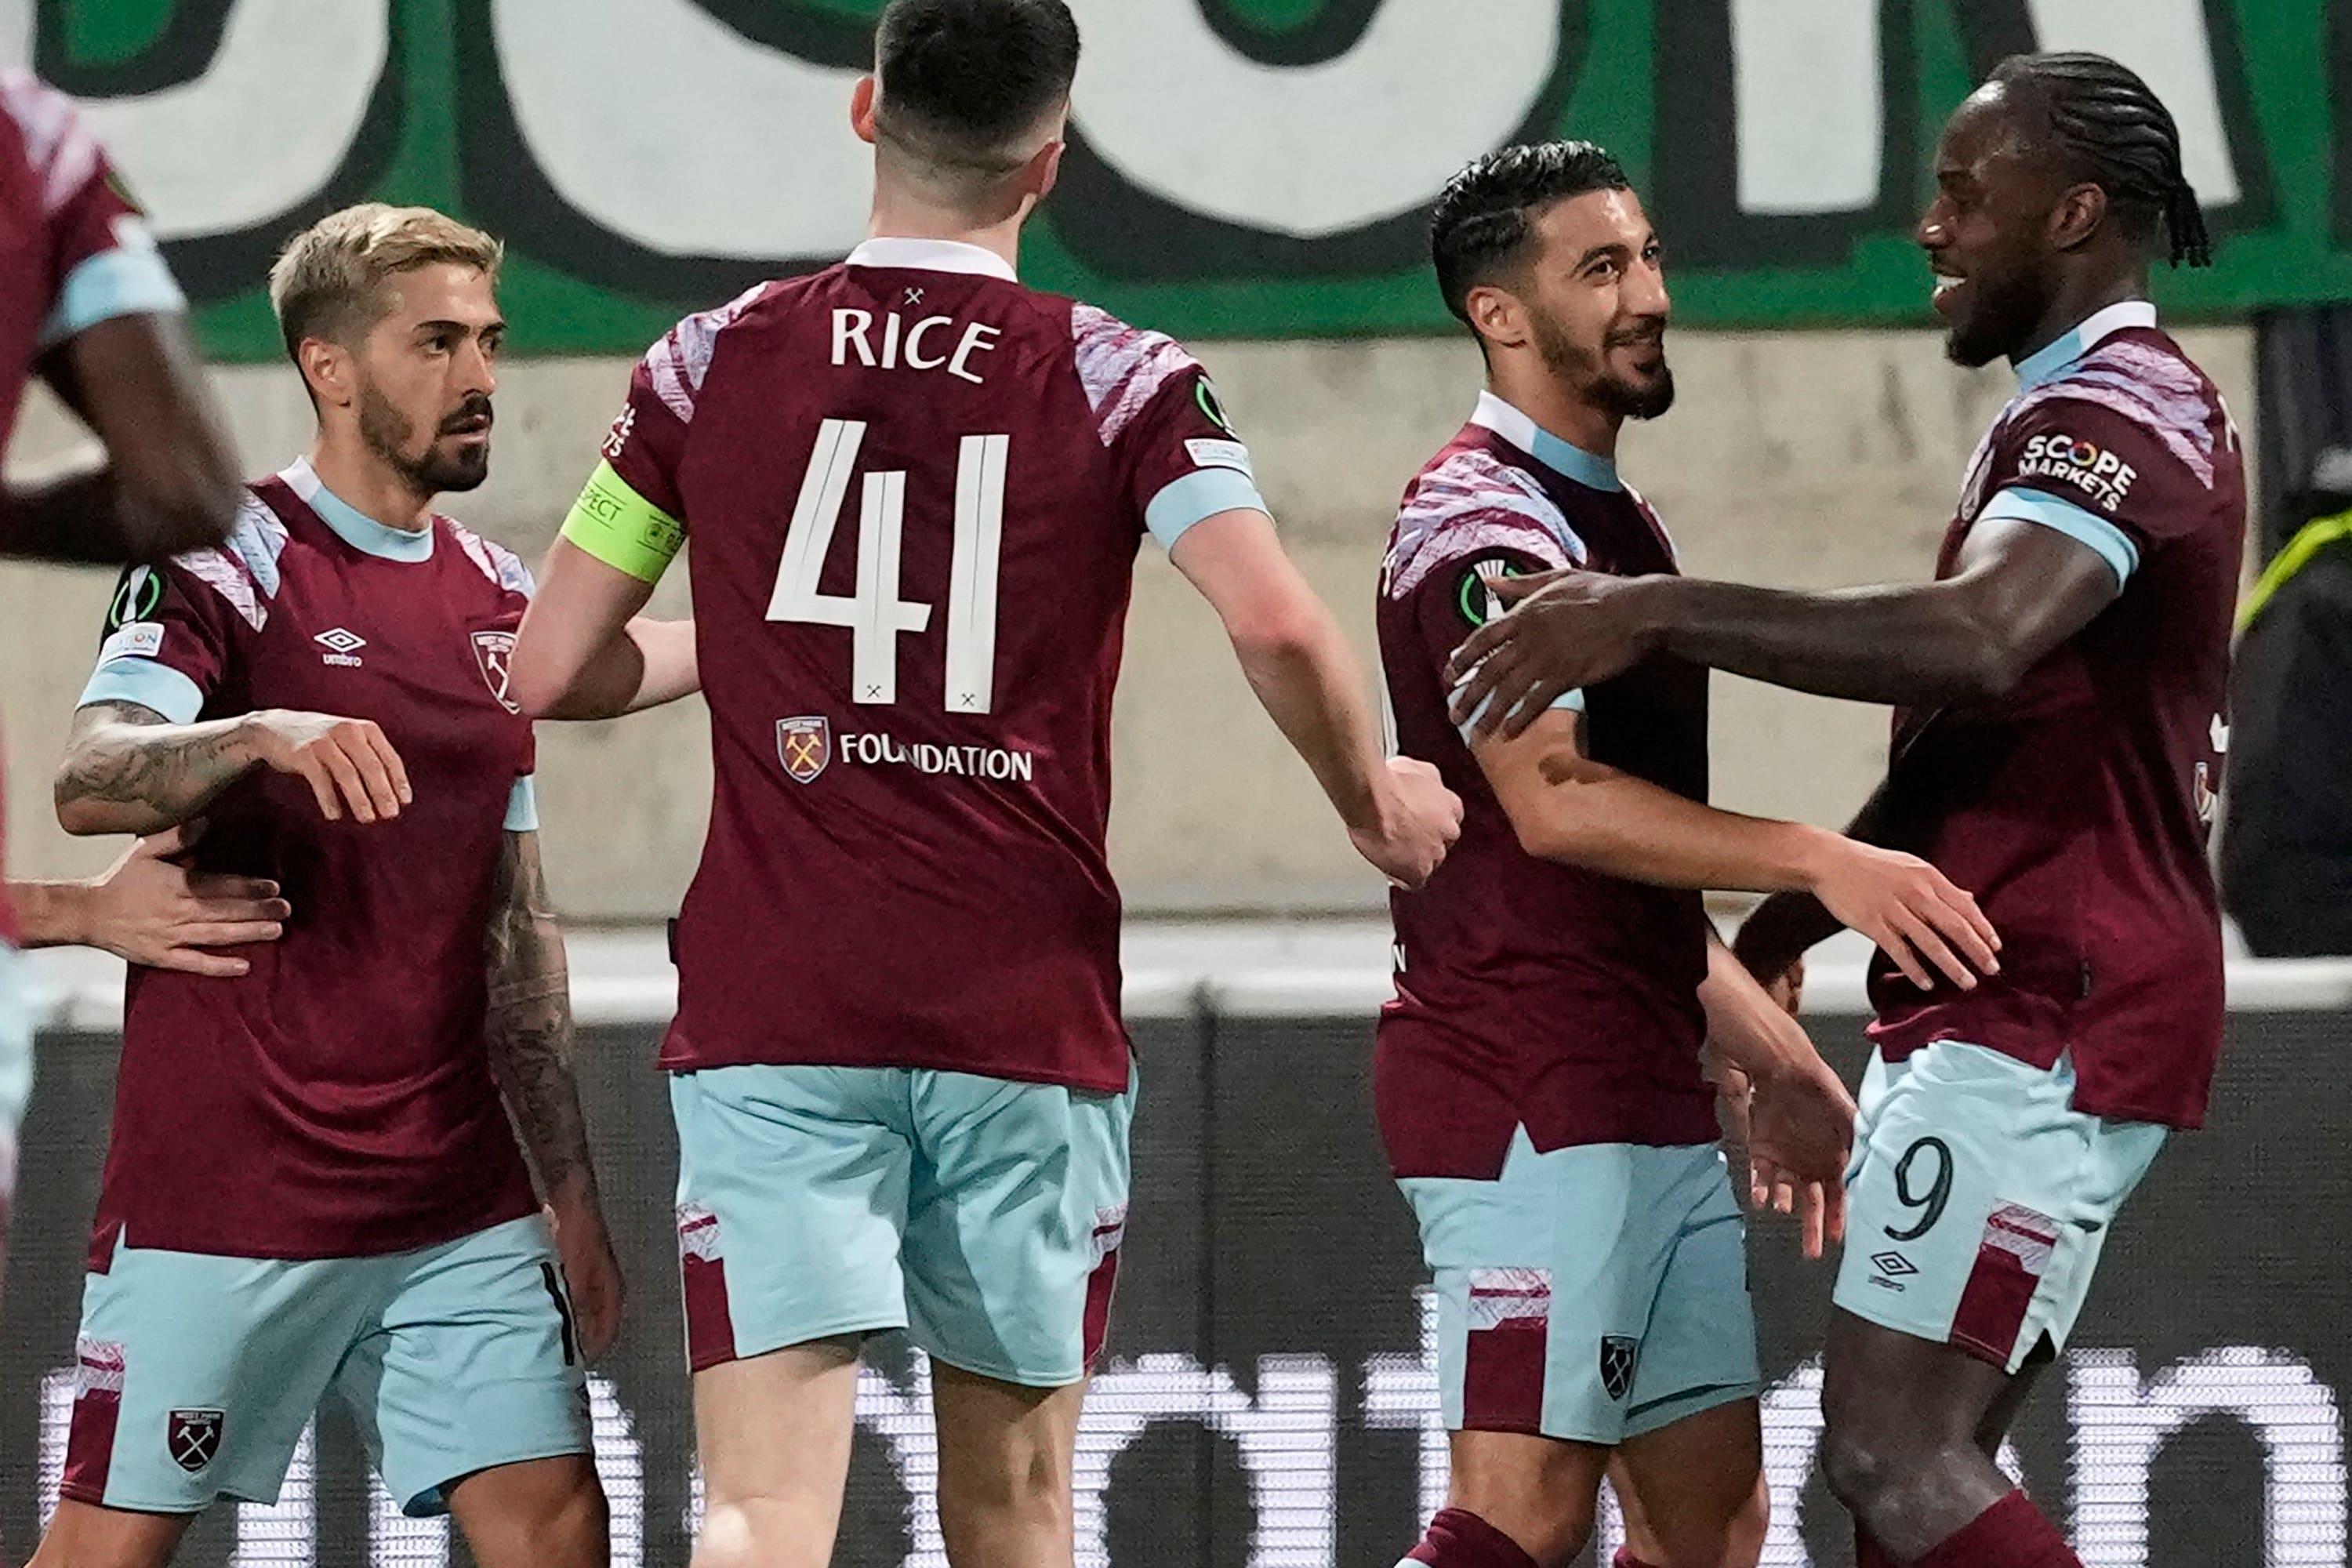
<point>1910,908</point>
<point>1566,630</point>
<point>155,912</point>
<point>347,762</point>
<point>1416,822</point>
<point>1800,1135</point>
<point>1733,1093</point>
<point>591,1274</point>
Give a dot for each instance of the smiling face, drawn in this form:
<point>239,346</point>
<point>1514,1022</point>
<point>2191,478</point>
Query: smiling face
<point>423,376</point>
<point>1988,234</point>
<point>1595,304</point>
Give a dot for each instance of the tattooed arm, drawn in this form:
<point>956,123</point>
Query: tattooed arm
<point>530,1042</point>
<point>128,769</point>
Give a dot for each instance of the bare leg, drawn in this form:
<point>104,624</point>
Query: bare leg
<point>774,1437</point>
<point>1694,1493</point>
<point>541,1514</point>
<point>1904,1445</point>
<point>82,1535</point>
<point>1005,1457</point>
<point>1540,1491</point>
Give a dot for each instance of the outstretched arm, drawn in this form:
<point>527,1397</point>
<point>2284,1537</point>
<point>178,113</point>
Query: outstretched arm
<point>2021,590</point>
<point>128,769</point>
<point>150,910</point>
<point>1781,929</point>
<point>1398,815</point>
<point>585,653</point>
<point>530,1046</point>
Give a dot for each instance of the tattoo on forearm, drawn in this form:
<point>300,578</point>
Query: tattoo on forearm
<point>531,1033</point>
<point>125,754</point>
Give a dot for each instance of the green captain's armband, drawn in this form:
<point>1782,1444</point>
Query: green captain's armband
<point>622,529</point>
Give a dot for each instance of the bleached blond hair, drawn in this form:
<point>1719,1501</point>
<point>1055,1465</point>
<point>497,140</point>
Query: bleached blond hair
<point>329,282</point>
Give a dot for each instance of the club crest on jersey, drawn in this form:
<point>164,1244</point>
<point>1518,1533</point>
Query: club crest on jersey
<point>1619,1356</point>
<point>194,1437</point>
<point>805,746</point>
<point>1474,595</point>
<point>494,652</point>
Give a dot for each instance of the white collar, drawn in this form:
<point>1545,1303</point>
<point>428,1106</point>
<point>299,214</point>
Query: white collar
<point>2045,364</point>
<point>933,256</point>
<point>1563,457</point>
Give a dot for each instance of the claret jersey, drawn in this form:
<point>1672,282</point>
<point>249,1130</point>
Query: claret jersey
<point>913,492</point>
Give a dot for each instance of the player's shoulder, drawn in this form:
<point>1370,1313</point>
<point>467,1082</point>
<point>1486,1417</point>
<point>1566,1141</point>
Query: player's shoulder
<point>1122,366</point>
<point>497,564</point>
<point>247,569</point>
<point>679,363</point>
<point>2137,386</point>
<point>1468,501</point>
<point>44,130</point>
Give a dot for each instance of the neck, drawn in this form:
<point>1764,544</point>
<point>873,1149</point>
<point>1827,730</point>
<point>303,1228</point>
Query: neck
<point>1525,383</point>
<point>364,481</point>
<point>2078,302</point>
<point>895,217</point>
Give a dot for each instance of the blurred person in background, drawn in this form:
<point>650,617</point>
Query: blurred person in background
<point>1539,1079</point>
<point>914,490</point>
<point>2060,686</point>
<point>87,304</point>
<point>2286,818</point>
<point>314,1181</point>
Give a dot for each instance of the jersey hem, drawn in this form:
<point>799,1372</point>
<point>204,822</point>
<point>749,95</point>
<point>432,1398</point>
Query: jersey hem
<point>704,1062</point>
<point>117,1233</point>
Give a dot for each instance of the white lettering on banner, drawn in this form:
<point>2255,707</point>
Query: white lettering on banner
<point>995,764</point>
<point>2120,1423</point>
<point>1288,1435</point>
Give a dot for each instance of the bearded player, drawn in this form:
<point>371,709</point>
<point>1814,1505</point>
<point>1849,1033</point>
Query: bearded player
<point>2058,748</point>
<point>87,303</point>
<point>313,1183</point>
<point>1539,1081</point>
<point>915,491</point>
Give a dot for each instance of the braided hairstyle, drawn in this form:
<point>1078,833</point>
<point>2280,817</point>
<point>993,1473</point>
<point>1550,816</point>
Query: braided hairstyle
<point>2104,121</point>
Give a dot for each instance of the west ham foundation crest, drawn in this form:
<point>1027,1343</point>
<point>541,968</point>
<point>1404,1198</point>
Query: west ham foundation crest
<point>1619,1356</point>
<point>805,746</point>
<point>194,1437</point>
<point>494,651</point>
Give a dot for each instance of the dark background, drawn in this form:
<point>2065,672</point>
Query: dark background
<point>1264,1224</point>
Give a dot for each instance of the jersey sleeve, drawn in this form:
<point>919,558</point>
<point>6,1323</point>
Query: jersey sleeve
<point>629,514</point>
<point>1179,459</point>
<point>102,260</point>
<point>1451,549</point>
<point>2122,483</point>
<point>172,633</point>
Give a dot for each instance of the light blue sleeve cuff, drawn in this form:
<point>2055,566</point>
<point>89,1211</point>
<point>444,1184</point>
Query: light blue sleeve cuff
<point>130,280</point>
<point>147,683</point>
<point>1196,498</point>
<point>2114,545</point>
<point>1566,702</point>
<point>522,805</point>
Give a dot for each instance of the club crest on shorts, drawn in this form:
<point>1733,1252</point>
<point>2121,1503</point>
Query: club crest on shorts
<point>194,1437</point>
<point>494,651</point>
<point>805,746</point>
<point>1620,1354</point>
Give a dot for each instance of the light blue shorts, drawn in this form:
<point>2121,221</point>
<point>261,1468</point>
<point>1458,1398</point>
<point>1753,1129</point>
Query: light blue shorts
<point>1979,1199</point>
<point>15,1068</point>
<point>1593,1293</point>
<point>984,1215</point>
<point>198,1373</point>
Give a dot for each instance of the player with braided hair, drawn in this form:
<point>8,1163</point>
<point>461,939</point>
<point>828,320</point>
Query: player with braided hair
<point>2060,688</point>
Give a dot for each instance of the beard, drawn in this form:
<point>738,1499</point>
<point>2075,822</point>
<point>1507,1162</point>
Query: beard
<point>389,433</point>
<point>1627,398</point>
<point>1999,315</point>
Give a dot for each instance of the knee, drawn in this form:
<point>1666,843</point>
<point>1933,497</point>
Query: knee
<point>1862,1459</point>
<point>1730,1536</point>
<point>583,1522</point>
<point>1546,1508</point>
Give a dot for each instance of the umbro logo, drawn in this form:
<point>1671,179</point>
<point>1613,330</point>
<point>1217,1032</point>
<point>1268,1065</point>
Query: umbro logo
<point>1889,1268</point>
<point>342,648</point>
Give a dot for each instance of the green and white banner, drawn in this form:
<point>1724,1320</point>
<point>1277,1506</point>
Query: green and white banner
<point>1256,167</point>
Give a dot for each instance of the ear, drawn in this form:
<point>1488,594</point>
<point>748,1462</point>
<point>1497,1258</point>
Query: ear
<point>861,108</point>
<point>1045,170</point>
<point>2079,214</point>
<point>328,369</point>
<point>1498,317</point>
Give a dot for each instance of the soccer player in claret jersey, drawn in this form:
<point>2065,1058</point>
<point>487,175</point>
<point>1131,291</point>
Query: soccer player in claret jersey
<point>87,303</point>
<point>915,491</point>
<point>1537,1081</point>
<point>313,1183</point>
<point>2058,748</point>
